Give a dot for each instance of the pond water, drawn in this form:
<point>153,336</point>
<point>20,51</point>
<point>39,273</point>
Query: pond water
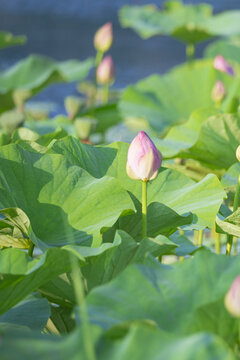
<point>65,29</point>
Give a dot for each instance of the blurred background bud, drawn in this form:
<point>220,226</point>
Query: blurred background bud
<point>106,71</point>
<point>103,38</point>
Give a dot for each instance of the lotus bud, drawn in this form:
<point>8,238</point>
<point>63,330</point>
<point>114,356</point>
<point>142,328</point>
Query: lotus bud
<point>84,127</point>
<point>103,38</point>
<point>106,71</point>
<point>232,298</point>
<point>144,159</point>
<point>72,105</point>
<point>222,65</point>
<point>238,153</point>
<point>218,92</point>
<point>20,96</point>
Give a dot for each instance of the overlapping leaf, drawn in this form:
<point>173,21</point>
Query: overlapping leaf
<point>168,100</point>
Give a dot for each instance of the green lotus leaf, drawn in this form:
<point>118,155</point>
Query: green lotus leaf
<point>171,188</point>
<point>188,23</point>
<point>140,341</point>
<point>32,312</point>
<point>21,275</point>
<point>37,72</point>
<point>170,99</point>
<point>230,49</point>
<point>72,205</point>
<point>169,297</point>
<point>7,39</point>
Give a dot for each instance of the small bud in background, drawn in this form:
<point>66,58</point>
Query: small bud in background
<point>238,153</point>
<point>20,96</point>
<point>106,71</point>
<point>144,159</point>
<point>72,105</point>
<point>103,38</point>
<point>218,92</point>
<point>222,65</point>
<point>232,298</point>
<point>84,127</point>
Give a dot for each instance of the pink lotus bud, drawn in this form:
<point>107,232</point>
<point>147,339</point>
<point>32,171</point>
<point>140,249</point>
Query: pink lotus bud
<point>218,92</point>
<point>238,153</point>
<point>232,298</point>
<point>105,71</point>
<point>221,64</point>
<point>144,159</point>
<point>103,38</point>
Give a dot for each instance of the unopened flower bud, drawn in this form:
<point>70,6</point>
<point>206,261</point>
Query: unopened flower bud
<point>84,127</point>
<point>105,72</point>
<point>218,92</point>
<point>238,153</point>
<point>232,298</point>
<point>20,96</point>
<point>72,105</point>
<point>103,38</point>
<point>222,65</point>
<point>144,159</point>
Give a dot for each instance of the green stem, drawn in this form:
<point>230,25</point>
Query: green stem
<point>235,207</point>
<point>229,244</point>
<point>80,300</point>
<point>195,238</point>
<point>235,243</point>
<point>30,249</point>
<point>217,243</point>
<point>190,51</point>
<point>144,208</point>
<point>181,232</point>
<point>105,93</point>
<point>239,332</point>
<point>200,237</point>
<point>98,58</point>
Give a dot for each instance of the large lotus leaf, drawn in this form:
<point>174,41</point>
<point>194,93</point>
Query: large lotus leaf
<point>188,23</point>
<point>22,345</point>
<point>183,298</point>
<point>230,49</point>
<point>7,39</point>
<point>230,178</point>
<point>20,274</point>
<point>169,99</point>
<point>63,202</point>
<point>32,312</point>
<point>141,342</point>
<point>36,72</point>
<point>106,262</point>
<point>217,142</point>
<point>182,137</point>
<point>170,188</point>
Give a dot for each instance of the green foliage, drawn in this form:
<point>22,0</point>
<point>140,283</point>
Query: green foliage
<point>7,39</point>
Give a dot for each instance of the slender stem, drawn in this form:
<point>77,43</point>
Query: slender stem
<point>144,208</point>
<point>239,331</point>
<point>105,93</point>
<point>190,51</point>
<point>235,207</point>
<point>200,237</point>
<point>195,238</point>
<point>80,299</point>
<point>98,58</point>
<point>181,232</point>
<point>235,243</point>
<point>237,195</point>
<point>217,243</point>
<point>229,244</point>
<point>30,249</point>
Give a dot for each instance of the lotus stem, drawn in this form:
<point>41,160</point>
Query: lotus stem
<point>144,208</point>
<point>200,237</point>
<point>235,207</point>
<point>30,249</point>
<point>235,243</point>
<point>190,51</point>
<point>217,243</point>
<point>98,58</point>
<point>105,94</point>
<point>195,238</point>
<point>80,300</point>
<point>181,232</point>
